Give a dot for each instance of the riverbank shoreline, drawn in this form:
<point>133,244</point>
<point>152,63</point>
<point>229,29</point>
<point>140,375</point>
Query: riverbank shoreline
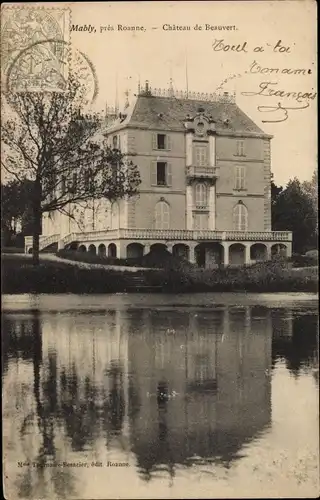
<point>54,276</point>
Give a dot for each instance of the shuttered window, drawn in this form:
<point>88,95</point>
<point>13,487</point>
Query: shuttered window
<point>240,177</point>
<point>169,174</point>
<point>161,142</point>
<point>161,173</point>
<point>240,217</point>
<point>162,215</point>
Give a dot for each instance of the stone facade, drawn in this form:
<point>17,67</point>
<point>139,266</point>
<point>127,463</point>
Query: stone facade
<point>205,190</point>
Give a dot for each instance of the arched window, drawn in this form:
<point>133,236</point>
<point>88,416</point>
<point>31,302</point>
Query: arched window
<point>162,215</point>
<point>201,194</point>
<point>240,217</point>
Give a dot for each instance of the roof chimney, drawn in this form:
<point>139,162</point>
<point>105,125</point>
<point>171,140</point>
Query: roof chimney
<point>171,91</point>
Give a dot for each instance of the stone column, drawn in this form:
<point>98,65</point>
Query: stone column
<point>212,208</point>
<point>212,150</point>
<point>189,204</point>
<point>289,248</point>
<point>247,259</point>
<point>121,250</point>
<point>192,254</point>
<point>225,253</point>
<point>169,247</point>
<point>146,248</point>
<point>269,256</point>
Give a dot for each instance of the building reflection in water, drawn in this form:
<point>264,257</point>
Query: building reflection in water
<point>173,386</point>
<point>214,365</point>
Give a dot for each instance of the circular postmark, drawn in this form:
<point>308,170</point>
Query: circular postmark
<point>33,37</point>
<point>38,68</point>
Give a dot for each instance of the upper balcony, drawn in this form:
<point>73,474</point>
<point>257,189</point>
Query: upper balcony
<point>196,172</point>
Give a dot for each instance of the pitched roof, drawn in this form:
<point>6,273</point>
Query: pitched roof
<point>170,113</point>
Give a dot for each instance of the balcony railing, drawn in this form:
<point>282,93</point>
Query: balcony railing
<point>178,234</point>
<point>203,172</point>
<point>163,235</point>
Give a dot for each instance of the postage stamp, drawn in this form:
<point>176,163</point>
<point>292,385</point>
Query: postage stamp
<point>35,48</point>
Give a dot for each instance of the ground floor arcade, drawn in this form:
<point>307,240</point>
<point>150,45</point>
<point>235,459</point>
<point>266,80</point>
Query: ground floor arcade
<point>204,248</point>
<point>204,254</point>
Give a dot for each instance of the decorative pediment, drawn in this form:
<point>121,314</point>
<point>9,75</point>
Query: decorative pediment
<point>200,124</point>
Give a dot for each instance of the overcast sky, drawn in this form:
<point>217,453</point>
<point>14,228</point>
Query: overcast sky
<point>156,54</point>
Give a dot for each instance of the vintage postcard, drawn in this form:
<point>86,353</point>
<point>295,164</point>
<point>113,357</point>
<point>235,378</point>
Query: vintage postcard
<point>159,250</point>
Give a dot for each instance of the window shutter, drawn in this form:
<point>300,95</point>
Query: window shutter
<point>153,171</point>
<point>235,218</point>
<point>169,174</point>
<point>236,177</point>
<point>243,172</point>
<point>168,142</point>
<point>154,141</point>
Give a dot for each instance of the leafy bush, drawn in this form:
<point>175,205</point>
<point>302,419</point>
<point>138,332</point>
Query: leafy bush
<point>308,260</point>
<point>20,276</point>
<point>12,250</point>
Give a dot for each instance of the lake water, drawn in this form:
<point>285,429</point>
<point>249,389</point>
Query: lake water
<point>160,396</point>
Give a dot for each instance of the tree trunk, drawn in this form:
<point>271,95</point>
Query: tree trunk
<point>36,208</point>
<point>35,248</point>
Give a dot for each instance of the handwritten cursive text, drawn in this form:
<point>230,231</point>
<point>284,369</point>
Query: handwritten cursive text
<point>283,115</point>
<point>266,91</point>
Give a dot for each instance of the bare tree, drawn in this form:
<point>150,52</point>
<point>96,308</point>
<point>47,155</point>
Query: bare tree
<point>50,139</point>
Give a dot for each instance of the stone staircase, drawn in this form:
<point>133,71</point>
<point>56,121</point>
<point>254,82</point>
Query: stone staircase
<point>52,248</point>
<point>138,283</point>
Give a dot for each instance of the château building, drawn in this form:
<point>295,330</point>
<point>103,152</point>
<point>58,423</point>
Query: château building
<point>205,191</point>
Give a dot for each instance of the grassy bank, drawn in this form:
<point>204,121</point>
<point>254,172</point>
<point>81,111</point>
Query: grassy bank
<point>19,276</point>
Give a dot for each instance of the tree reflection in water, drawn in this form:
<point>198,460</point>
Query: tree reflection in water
<point>295,340</point>
<point>186,386</point>
<point>114,404</point>
<point>37,479</point>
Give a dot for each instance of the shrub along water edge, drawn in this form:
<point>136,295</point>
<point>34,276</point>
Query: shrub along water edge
<point>177,276</point>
